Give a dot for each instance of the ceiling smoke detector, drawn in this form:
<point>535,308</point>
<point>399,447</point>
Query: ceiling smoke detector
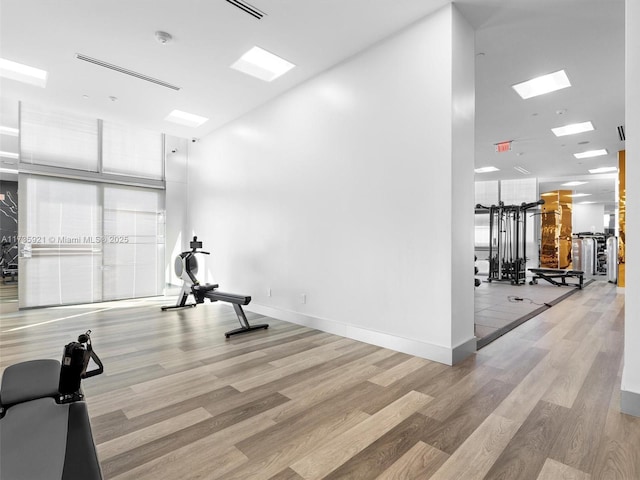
<point>163,37</point>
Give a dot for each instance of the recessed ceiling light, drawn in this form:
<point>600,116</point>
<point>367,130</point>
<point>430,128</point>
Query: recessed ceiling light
<point>186,119</point>
<point>585,203</point>
<point>603,170</point>
<point>591,153</point>
<point>575,195</point>
<point>9,131</point>
<point>9,155</point>
<point>486,169</point>
<point>262,64</point>
<point>543,84</point>
<point>23,73</point>
<point>572,184</point>
<point>572,129</point>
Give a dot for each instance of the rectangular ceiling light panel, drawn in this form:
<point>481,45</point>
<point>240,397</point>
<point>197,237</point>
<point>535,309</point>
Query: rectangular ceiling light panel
<point>186,119</point>
<point>262,64</point>
<point>572,129</point>
<point>486,169</point>
<point>573,184</point>
<point>604,170</point>
<point>23,73</point>
<point>591,153</point>
<point>543,84</point>
<point>576,195</point>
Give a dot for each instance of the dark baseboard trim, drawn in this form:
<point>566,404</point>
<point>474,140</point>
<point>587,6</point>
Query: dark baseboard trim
<point>484,341</point>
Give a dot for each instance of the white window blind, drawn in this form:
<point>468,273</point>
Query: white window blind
<point>487,193</point>
<point>83,242</point>
<point>60,260</point>
<point>134,251</point>
<point>58,139</point>
<point>515,192</point>
<point>131,151</point>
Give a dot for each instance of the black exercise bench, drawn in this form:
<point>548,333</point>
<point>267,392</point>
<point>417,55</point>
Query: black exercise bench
<point>10,272</point>
<point>552,275</point>
<point>46,434</point>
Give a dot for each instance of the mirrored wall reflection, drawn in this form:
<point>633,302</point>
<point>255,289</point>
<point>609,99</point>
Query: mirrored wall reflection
<point>9,237</point>
<point>9,148</point>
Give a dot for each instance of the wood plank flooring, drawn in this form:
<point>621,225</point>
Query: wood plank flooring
<point>179,401</point>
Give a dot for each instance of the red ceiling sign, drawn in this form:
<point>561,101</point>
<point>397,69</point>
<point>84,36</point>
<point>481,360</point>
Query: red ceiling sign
<point>503,146</point>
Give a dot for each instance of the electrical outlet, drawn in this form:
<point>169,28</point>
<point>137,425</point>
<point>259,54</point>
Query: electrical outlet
<point>268,292</point>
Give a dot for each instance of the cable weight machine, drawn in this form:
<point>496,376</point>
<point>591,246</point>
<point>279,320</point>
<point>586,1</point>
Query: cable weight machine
<point>508,241</point>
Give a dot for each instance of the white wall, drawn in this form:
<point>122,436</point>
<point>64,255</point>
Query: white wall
<point>355,189</point>
<point>176,226</point>
<point>631,372</point>
<point>587,218</point>
<point>463,180</point>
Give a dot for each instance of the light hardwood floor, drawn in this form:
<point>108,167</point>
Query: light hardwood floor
<point>179,401</point>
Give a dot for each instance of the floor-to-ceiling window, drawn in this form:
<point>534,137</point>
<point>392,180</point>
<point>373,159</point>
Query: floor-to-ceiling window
<point>92,210</point>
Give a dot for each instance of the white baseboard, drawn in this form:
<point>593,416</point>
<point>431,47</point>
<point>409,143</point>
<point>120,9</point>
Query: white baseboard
<point>430,351</point>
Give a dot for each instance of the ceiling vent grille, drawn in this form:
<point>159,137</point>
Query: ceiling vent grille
<point>245,7</point>
<point>621,132</point>
<point>116,68</point>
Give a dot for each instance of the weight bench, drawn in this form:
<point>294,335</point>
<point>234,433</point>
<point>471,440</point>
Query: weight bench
<point>10,272</point>
<point>44,434</point>
<point>552,275</point>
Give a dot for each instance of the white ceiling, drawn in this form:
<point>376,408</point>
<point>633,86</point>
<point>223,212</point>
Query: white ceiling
<point>515,41</point>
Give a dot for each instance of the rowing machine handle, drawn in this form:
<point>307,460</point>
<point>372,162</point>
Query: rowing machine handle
<point>195,245</point>
<point>75,360</point>
<point>85,338</point>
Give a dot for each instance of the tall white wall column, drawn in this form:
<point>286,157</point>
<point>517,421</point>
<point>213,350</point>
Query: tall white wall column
<point>346,204</point>
<point>630,395</point>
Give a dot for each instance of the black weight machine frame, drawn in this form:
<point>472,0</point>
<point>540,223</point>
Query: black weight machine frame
<point>186,267</point>
<point>508,227</point>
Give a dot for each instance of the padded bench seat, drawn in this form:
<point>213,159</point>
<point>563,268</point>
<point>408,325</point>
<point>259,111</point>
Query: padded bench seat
<point>41,439</point>
<point>30,380</point>
<point>551,274</point>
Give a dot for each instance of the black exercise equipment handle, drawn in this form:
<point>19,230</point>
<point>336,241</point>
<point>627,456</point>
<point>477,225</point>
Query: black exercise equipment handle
<point>195,245</point>
<point>86,339</point>
<point>527,206</point>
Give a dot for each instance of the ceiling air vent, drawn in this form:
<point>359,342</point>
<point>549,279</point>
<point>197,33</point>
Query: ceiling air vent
<point>621,132</point>
<point>245,7</point>
<point>146,78</point>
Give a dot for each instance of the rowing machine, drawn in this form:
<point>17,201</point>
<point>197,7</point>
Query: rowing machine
<point>186,267</point>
